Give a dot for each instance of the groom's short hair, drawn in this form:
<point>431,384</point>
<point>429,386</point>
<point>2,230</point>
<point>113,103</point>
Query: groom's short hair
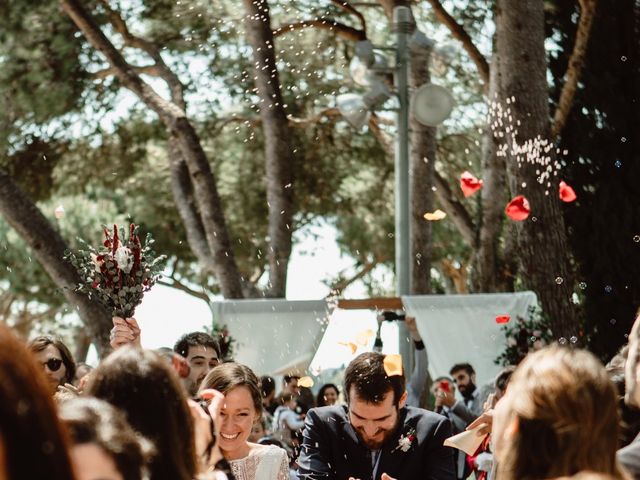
<point>367,375</point>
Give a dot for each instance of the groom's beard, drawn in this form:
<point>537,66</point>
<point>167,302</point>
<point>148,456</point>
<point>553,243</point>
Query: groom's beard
<point>376,442</point>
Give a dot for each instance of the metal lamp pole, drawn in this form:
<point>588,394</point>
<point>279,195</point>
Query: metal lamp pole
<point>402,26</point>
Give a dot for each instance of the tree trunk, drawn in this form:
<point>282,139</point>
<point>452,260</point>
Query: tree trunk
<point>423,149</point>
<point>175,120</point>
<point>49,247</point>
<point>542,244</point>
<point>279,156</point>
<point>488,272</point>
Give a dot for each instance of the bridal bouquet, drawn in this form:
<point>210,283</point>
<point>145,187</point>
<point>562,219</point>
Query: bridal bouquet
<point>118,272</point>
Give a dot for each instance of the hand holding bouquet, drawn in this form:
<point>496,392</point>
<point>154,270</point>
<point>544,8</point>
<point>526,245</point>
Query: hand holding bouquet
<point>120,271</point>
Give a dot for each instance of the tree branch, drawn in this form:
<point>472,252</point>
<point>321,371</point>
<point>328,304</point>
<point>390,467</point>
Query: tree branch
<point>178,285</point>
<point>574,67</point>
<point>161,68</point>
<point>461,34</point>
<point>344,31</point>
<point>347,7</point>
<point>152,70</point>
<point>341,284</point>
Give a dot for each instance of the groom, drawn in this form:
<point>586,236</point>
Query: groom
<point>375,437</point>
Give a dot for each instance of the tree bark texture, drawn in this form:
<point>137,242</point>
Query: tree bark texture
<point>186,139</point>
<point>49,247</point>
<point>489,273</point>
<point>542,244</point>
<point>423,149</point>
<point>279,155</point>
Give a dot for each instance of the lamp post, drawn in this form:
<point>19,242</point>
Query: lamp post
<point>431,105</point>
<point>402,26</point>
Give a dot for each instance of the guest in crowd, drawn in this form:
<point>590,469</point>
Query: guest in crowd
<point>32,443</point>
<point>418,378</point>
<point>290,384</point>
<point>375,435</point>
<point>327,395</point>
<point>286,421</point>
<point>104,446</point>
<point>202,353</point>
<point>147,390</point>
<point>558,417</point>
<point>242,407</point>
<point>268,385</point>
<point>56,360</point>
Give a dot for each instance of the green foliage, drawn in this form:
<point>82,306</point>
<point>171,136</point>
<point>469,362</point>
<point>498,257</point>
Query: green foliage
<point>523,336</point>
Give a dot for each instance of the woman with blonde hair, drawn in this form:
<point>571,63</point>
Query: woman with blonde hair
<point>558,418</point>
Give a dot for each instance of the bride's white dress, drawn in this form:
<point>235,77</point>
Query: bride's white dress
<point>264,462</point>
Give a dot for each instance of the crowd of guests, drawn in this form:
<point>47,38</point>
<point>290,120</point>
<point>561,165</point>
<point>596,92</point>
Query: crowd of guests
<point>184,414</point>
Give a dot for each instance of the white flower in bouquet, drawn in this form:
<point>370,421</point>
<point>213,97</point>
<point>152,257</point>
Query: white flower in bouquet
<point>119,271</point>
<point>124,259</point>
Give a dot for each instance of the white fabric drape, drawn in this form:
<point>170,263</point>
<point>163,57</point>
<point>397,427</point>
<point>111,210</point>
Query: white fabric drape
<point>462,328</point>
<point>274,337</point>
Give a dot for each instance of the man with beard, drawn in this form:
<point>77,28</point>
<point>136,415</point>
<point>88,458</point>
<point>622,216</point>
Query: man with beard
<point>202,353</point>
<point>375,436</point>
<point>470,406</point>
<point>463,411</point>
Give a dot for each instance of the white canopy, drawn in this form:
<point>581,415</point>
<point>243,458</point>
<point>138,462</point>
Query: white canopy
<point>274,336</point>
<point>277,336</point>
<point>462,328</point>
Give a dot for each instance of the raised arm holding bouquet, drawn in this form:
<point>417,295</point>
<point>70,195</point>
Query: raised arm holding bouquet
<point>117,274</point>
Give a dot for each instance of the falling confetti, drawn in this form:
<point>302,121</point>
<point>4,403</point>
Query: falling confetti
<point>352,346</point>
<point>435,216</point>
<point>306,382</point>
<point>59,212</point>
<point>469,184</point>
<point>567,194</point>
<point>362,338</point>
<point>518,209</point>
<point>393,365</point>
<point>502,319</point>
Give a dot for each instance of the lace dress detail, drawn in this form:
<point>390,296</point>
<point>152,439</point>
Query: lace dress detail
<point>263,463</point>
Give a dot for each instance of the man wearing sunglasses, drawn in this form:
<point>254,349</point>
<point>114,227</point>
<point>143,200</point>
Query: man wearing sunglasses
<point>56,360</point>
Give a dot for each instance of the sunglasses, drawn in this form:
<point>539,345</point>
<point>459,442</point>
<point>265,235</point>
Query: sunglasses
<point>53,364</point>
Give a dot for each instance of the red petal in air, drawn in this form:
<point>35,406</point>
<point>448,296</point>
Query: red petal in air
<point>567,194</point>
<point>469,184</point>
<point>518,209</point>
<point>503,319</point>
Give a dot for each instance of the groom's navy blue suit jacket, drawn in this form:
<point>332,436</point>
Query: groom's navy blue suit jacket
<point>332,450</point>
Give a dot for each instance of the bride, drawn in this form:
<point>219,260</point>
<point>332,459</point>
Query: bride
<point>242,407</point>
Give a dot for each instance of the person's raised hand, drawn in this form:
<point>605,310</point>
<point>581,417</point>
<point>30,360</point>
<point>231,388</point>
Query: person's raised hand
<point>124,332</point>
<point>412,327</point>
<point>487,419</point>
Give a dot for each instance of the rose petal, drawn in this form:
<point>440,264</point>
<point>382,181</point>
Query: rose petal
<point>393,365</point>
<point>434,216</point>
<point>567,194</point>
<point>469,184</point>
<point>352,346</point>
<point>503,319</point>
<point>518,208</point>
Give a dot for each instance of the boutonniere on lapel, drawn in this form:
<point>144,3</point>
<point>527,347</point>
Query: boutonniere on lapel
<point>406,440</point>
